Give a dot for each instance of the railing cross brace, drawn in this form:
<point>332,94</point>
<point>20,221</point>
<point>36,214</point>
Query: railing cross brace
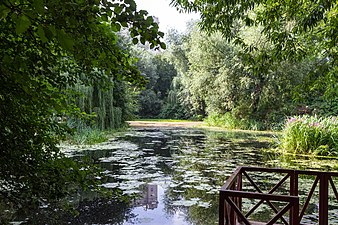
<point>270,192</point>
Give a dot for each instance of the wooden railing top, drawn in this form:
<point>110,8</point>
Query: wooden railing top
<point>231,195</point>
<point>239,169</point>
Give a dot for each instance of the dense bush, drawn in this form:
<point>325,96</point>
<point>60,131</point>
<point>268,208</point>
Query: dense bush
<point>310,135</point>
<point>174,111</point>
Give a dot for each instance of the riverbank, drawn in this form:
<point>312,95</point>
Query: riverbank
<point>190,124</point>
<point>150,123</point>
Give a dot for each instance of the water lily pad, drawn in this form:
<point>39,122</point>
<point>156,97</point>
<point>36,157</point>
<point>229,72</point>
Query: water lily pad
<point>186,203</point>
<point>204,204</point>
<point>203,187</point>
<point>110,185</point>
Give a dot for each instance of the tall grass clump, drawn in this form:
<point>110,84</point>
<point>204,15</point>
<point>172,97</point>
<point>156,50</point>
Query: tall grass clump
<point>88,136</point>
<point>310,135</point>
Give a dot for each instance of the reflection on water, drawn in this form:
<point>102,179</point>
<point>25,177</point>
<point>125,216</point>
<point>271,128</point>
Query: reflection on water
<point>176,174</point>
<point>149,199</point>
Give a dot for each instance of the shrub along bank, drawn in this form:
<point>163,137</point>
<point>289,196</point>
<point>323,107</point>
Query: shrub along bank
<point>310,135</point>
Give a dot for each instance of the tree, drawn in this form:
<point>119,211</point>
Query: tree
<point>294,29</point>
<point>216,78</point>
<point>45,47</point>
<point>284,22</point>
<point>159,73</point>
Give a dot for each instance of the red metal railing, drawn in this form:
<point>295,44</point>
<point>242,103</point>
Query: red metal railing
<point>232,195</point>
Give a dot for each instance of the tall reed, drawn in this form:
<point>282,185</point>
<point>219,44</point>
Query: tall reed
<point>310,135</point>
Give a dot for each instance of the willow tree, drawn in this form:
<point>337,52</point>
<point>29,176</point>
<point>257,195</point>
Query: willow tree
<point>35,36</point>
<point>107,108</point>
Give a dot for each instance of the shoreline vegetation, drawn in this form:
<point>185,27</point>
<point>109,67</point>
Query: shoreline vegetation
<point>91,136</point>
<point>310,135</point>
<point>301,135</point>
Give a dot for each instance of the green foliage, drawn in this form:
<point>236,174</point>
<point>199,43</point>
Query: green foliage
<point>174,111</point>
<point>150,104</point>
<point>292,30</point>
<point>229,121</point>
<point>159,72</point>
<point>215,79</point>
<point>88,136</point>
<point>45,48</point>
<point>283,22</point>
<point>310,135</point>
<point>107,107</point>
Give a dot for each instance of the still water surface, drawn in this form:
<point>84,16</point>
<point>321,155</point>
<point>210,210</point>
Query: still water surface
<point>176,174</point>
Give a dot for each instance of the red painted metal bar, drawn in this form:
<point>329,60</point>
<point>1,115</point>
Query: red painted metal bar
<point>239,188</point>
<point>279,170</point>
<point>292,200</point>
<point>253,195</point>
<point>294,212</point>
<point>232,209</point>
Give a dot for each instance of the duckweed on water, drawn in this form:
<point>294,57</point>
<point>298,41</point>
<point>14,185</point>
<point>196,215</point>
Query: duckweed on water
<point>187,167</point>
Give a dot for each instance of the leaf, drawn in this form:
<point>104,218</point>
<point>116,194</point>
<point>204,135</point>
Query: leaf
<point>118,9</point>
<point>52,29</point>
<point>150,20</point>
<point>163,45</point>
<point>48,33</point>
<point>143,40</point>
<point>104,17</point>
<point>65,40</point>
<point>39,6</point>
<point>41,34</point>
<point>109,13</point>
<point>124,23</point>
<point>135,41</point>
<point>22,24</point>
<point>115,27</point>
<point>4,12</point>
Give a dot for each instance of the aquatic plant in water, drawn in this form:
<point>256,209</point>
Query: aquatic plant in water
<point>310,135</point>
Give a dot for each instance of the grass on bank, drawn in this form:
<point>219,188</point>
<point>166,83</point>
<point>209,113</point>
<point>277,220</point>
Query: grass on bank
<point>229,121</point>
<point>91,136</point>
<point>310,135</point>
<point>165,120</point>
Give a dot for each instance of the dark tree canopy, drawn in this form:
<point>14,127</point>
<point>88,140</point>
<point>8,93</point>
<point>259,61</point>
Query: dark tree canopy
<point>45,47</point>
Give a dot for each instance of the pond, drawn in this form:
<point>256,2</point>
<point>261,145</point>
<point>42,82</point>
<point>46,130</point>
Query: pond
<point>175,175</point>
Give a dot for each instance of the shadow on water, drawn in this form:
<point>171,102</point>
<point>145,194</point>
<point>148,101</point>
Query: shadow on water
<point>176,174</point>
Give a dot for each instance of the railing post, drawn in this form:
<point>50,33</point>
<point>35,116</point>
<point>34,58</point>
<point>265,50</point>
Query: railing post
<point>294,211</point>
<point>221,208</point>
<point>323,199</point>
<point>232,211</point>
<point>239,188</point>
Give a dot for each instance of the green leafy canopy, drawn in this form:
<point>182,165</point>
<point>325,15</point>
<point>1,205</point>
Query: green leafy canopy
<point>45,47</point>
